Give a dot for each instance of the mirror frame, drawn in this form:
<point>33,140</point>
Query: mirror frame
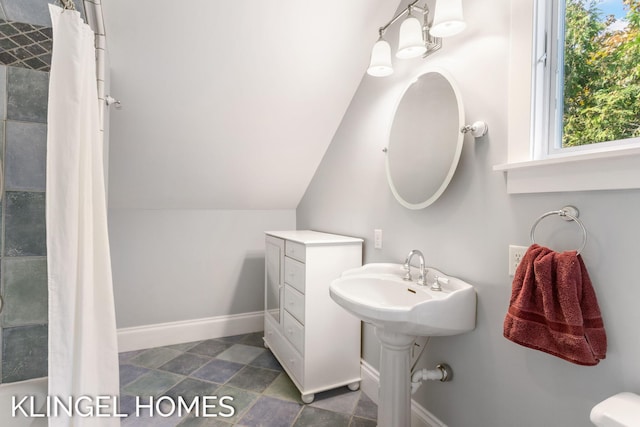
<point>459,143</point>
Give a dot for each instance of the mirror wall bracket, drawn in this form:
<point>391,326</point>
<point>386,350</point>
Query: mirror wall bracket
<point>477,129</point>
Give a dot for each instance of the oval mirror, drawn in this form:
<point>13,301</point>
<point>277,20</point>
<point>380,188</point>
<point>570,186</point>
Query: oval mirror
<point>425,141</point>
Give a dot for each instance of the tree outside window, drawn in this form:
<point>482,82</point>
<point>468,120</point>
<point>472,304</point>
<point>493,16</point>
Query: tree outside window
<point>601,73</point>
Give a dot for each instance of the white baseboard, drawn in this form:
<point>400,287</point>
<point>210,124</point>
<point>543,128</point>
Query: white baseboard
<point>420,417</point>
<point>161,334</point>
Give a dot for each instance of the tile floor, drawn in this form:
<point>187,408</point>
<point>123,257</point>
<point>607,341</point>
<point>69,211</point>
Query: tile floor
<point>237,366</point>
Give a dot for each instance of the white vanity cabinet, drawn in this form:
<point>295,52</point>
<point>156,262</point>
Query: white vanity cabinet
<point>315,340</point>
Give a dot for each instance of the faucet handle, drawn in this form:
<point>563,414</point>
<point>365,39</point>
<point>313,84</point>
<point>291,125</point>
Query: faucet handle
<point>407,268</point>
<point>438,282</point>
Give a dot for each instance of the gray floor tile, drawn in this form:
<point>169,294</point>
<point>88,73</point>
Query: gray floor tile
<point>241,353</point>
<point>316,417</point>
<point>253,379</point>
<point>204,422</point>
<point>239,400</point>
<point>153,383</point>
<point>218,371</point>
<point>151,421</point>
<point>234,338</point>
<point>266,360</point>
<point>154,357</point>
<point>339,400</point>
<point>127,355</point>
<point>255,339</point>
<point>130,373</point>
<point>257,391</point>
<point>190,388</point>
<point>268,411</point>
<point>210,348</point>
<point>362,422</point>
<point>283,388</point>
<point>184,346</point>
<point>185,363</point>
<point>366,408</point>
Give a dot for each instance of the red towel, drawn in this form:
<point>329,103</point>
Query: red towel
<point>554,308</point>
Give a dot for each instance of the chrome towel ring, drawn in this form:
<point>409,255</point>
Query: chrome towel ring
<point>568,213</point>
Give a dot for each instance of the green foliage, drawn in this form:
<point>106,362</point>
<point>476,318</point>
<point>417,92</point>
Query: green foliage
<point>602,75</point>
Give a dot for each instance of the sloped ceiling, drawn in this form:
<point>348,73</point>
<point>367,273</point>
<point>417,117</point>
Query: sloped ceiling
<point>230,104</point>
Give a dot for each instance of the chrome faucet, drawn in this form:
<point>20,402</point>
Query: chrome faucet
<point>422,278</point>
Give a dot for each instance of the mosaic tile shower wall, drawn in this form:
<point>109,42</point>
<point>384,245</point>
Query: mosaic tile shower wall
<point>25,45</point>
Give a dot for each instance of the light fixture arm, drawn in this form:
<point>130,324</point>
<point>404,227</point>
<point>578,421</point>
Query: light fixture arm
<point>433,43</point>
<point>401,14</point>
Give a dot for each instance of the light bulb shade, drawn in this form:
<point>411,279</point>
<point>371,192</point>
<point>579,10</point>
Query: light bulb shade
<point>447,18</point>
<point>380,64</point>
<point>410,42</point>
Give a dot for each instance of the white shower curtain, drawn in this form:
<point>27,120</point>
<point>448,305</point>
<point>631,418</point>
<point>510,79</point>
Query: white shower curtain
<point>83,358</point>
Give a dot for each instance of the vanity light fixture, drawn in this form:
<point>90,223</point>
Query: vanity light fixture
<point>448,20</point>
<point>417,37</point>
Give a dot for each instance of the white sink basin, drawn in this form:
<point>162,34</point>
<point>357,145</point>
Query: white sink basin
<point>377,294</point>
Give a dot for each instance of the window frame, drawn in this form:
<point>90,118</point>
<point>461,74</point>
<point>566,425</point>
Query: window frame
<point>530,167</point>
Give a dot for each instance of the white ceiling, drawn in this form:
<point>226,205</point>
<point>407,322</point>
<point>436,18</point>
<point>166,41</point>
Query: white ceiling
<point>228,104</point>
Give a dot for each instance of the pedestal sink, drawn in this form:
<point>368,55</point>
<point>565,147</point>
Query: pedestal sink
<point>400,311</point>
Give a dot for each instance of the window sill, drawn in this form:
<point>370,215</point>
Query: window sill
<point>610,170</point>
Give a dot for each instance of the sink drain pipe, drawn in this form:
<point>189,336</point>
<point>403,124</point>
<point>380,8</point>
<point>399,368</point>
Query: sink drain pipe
<point>442,373</point>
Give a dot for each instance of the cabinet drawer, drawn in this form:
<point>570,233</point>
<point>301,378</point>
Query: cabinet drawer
<point>284,351</point>
<point>294,303</point>
<point>294,332</point>
<point>295,250</point>
<point>294,273</point>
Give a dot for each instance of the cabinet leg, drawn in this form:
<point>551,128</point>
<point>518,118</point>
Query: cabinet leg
<point>308,398</point>
<point>354,386</point>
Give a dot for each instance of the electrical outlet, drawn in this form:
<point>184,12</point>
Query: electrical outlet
<point>377,238</point>
<point>515,256</point>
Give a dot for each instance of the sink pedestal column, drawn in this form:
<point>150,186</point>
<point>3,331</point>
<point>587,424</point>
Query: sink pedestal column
<point>394,406</point>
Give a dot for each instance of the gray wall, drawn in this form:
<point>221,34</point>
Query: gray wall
<point>466,234</point>
<point>173,265</point>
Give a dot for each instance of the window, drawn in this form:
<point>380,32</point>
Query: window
<point>553,145</point>
<point>586,84</point>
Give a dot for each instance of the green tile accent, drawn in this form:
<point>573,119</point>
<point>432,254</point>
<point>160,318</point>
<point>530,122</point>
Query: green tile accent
<point>241,353</point>
<point>27,95</point>
<point>283,388</point>
<point>25,224</point>
<point>24,353</point>
<point>26,156</point>
<point>24,290</point>
<point>242,401</point>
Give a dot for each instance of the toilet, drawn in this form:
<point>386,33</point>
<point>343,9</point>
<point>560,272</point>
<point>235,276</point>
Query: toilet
<point>621,410</point>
